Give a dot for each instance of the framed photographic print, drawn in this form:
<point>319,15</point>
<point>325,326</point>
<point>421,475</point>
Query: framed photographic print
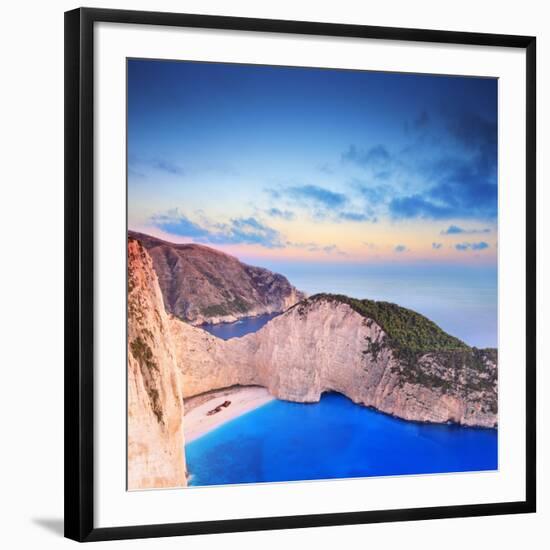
<point>300,274</point>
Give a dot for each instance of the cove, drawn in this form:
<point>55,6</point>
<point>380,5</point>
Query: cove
<point>243,326</point>
<point>335,438</point>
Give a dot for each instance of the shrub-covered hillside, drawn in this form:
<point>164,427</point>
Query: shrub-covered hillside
<point>405,328</point>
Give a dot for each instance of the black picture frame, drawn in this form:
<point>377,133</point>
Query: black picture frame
<point>79,269</point>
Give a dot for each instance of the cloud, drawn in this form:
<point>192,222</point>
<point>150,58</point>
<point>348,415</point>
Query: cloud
<point>374,157</point>
<point>168,167</point>
<point>451,175</point>
<point>326,168</point>
<point>135,173</point>
<point>400,248</point>
<point>478,135</point>
<point>472,246</point>
<point>333,249</point>
<point>455,197</point>
<point>356,217</point>
<point>283,214</point>
<point>317,195</point>
<point>437,246</point>
<point>251,231</point>
<point>315,247</point>
<point>141,166</point>
<point>237,231</point>
<point>321,203</point>
<point>416,206</point>
<point>367,202</point>
<point>178,224</point>
<point>273,193</point>
<point>374,195</point>
<point>452,230</point>
<point>455,230</point>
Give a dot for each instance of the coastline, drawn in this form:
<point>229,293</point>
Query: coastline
<point>196,421</point>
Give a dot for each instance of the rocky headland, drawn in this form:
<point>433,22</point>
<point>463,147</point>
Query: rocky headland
<point>379,355</point>
<point>203,285</point>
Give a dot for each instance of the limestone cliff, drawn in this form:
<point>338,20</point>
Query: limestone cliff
<point>155,406</point>
<point>330,343</point>
<point>203,285</point>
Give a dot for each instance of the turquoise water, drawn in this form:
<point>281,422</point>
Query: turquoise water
<point>283,441</point>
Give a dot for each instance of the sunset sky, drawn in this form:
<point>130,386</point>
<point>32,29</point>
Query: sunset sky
<point>314,165</point>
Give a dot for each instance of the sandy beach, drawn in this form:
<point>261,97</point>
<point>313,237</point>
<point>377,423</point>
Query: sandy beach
<point>241,399</point>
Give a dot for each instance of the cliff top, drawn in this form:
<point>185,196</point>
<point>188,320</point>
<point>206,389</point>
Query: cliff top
<point>148,241</point>
<point>405,328</point>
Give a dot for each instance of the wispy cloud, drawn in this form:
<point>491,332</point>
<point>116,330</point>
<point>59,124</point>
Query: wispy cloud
<point>320,202</point>
<point>278,213</point>
<point>455,198</point>
<point>168,167</point>
<point>358,205</point>
<point>141,166</point>
<point>458,181</point>
<point>236,231</point>
<point>315,247</point>
<point>376,157</point>
<point>437,246</point>
<point>356,217</point>
<point>456,230</point>
<point>477,135</point>
<point>472,246</point>
<point>333,249</point>
<point>464,185</point>
<point>400,248</point>
<point>326,168</point>
<point>317,195</point>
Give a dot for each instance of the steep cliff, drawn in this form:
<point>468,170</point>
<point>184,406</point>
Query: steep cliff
<point>200,284</point>
<point>155,405</point>
<point>379,355</point>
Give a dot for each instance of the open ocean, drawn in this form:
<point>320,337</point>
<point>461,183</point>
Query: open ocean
<point>462,300</point>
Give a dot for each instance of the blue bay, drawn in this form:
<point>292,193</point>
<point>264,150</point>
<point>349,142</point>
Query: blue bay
<point>335,438</point>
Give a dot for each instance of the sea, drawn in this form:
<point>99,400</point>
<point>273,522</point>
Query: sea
<point>461,299</point>
<point>333,439</point>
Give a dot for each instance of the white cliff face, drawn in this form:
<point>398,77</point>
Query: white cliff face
<point>323,346</point>
<point>155,405</point>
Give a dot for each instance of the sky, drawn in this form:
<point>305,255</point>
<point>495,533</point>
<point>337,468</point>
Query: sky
<point>282,164</point>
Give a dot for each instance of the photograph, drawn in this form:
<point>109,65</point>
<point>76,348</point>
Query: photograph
<point>312,274</point>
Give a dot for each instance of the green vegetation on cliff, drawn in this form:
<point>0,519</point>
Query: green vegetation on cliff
<point>404,328</point>
<point>426,354</point>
